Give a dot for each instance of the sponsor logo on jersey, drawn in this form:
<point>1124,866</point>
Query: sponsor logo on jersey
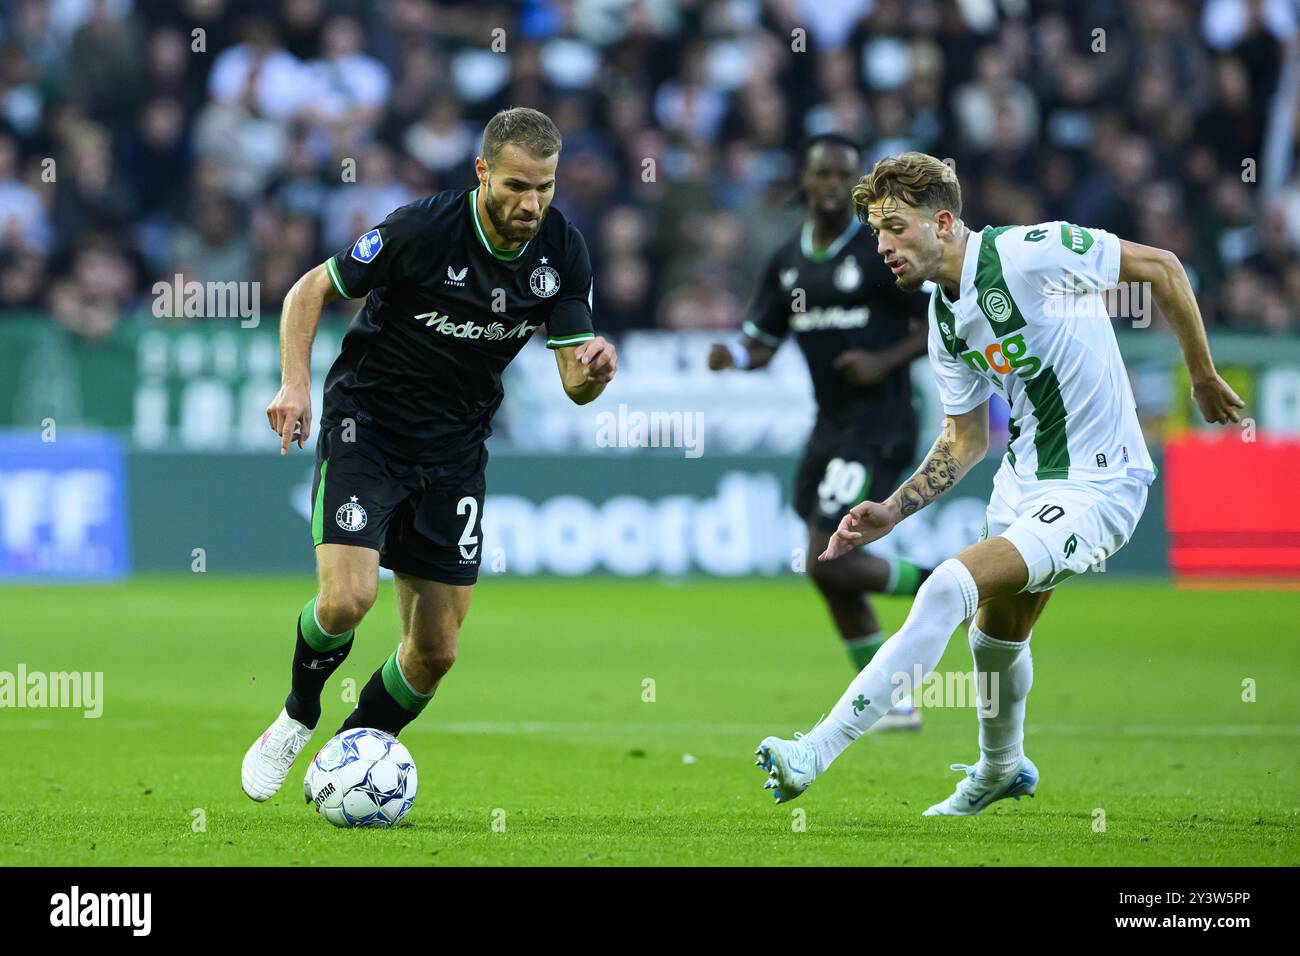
<point>789,277</point>
<point>830,317</point>
<point>847,276</point>
<point>351,517</point>
<point>1101,460</point>
<point>544,281</point>
<point>1001,357</point>
<point>456,278</point>
<point>492,332</point>
<point>368,246</point>
<point>1076,239</point>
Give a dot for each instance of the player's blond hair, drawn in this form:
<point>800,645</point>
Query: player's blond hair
<point>917,179</point>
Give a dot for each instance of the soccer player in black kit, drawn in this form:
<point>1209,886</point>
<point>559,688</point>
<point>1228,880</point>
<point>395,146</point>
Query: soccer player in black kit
<point>454,286</point>
<point>858,333</point>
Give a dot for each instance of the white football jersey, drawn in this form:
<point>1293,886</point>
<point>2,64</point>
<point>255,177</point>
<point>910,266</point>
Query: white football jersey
<point>1030,322</point>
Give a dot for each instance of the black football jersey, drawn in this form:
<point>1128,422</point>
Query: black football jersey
<point>444,314</point>
<point>848,301</point>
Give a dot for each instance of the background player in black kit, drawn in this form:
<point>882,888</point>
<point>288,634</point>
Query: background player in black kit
<point>454,286</point>
<point>858,333</point>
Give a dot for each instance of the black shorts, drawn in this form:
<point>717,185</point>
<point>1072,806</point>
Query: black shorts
<point>841,468</point>
<point>423,519</point>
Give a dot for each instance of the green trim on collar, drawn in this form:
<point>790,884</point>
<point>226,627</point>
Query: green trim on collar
<point>831,251</point>
<point>506,255</point>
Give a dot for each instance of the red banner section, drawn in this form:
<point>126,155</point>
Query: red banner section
<point>1232,508</point>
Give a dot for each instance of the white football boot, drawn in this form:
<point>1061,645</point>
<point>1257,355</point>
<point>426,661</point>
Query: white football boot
<point>268,761</point>
<point>791,766</point>
<point>975,792</point>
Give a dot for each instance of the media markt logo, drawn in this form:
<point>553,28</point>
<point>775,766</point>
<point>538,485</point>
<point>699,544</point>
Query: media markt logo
<point>492,332</point>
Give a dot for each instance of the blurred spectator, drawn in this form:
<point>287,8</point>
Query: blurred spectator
<point>250,140</point>
<point>24,226</point>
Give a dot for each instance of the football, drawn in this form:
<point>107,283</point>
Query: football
<point>362,778</point>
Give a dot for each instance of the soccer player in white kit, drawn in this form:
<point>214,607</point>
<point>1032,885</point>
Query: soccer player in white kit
<point>1016,310</point>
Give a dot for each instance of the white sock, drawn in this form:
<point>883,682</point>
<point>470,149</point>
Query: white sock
<point>946,599</point>
<point>1009,667</point>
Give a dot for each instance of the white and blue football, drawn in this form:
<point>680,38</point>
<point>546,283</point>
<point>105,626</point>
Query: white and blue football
<point>362,778</point>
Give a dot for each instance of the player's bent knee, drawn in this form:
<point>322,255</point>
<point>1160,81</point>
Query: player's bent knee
<point>440,661</point>
<point>342,609</point>
<point>430,665</point>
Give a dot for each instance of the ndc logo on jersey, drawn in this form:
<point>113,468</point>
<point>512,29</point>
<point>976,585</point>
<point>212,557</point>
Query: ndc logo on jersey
<point>368,246</point>
<point>1002,357</point>
<point>351,517</point>
<point>544,281</point>
<point>492,332</point>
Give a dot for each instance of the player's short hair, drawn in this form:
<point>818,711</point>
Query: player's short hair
<point>918,179</point>
<point>530,130</point>
<point>829,139</point>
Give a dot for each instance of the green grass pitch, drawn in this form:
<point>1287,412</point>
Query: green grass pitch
<point>1136,712</point>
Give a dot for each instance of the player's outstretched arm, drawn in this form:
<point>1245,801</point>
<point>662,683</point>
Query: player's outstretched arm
<point>290,411</point>
<point>747,354</point>
<point>586,369</point>
<point>962,443</point>
<point>1173,294</point>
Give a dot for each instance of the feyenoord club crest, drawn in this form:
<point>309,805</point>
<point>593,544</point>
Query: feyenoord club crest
<point>848,276</point>
<point>351,517</point>
<point>544,281</point>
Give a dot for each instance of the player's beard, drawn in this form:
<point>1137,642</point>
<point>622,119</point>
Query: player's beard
<point>501,222</point>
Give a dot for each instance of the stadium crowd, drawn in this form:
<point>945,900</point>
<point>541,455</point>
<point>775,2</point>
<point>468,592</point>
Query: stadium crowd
<point>245,140</point>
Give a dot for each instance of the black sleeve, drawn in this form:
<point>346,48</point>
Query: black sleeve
<point>770,313</point>
<point>570,321</point>
<point>378,258</point>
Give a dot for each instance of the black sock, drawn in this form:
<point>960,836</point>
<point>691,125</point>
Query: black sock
<point>311,669</point>
<point>376,708</point>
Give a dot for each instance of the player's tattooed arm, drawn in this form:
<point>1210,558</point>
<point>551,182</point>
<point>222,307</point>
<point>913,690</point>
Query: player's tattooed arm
<point>939,472</point>
<point>963,442</point>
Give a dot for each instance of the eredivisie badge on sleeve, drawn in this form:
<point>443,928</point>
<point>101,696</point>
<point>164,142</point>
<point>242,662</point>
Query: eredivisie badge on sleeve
<point>368,246</point>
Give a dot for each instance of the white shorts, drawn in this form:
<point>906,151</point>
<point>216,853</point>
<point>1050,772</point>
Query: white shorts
<point>1062,527</point>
